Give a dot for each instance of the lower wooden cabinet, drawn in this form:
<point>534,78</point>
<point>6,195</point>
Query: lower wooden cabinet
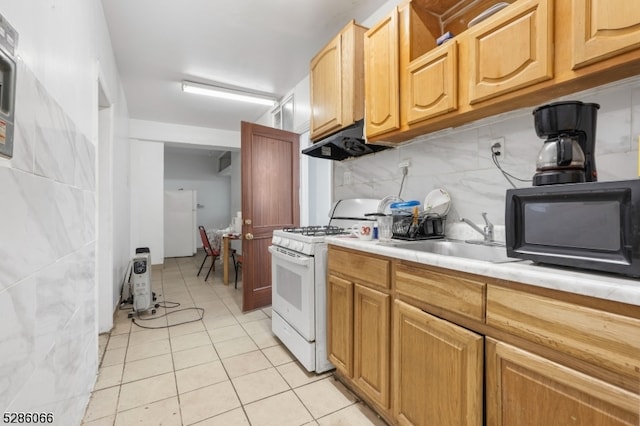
<point>525,356</point>
<point>437,370</point>
<point>358,324</point>
<point>372,317</point>
<point>527,390</point>
<point>340,324</point>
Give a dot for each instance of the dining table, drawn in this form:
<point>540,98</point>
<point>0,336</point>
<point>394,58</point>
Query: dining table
<point>226,250</point>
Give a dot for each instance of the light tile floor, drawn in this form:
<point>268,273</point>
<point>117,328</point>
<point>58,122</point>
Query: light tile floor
<point>224,369</point>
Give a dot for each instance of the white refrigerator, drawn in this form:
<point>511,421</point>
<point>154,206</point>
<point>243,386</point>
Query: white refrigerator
<point>180,223</point>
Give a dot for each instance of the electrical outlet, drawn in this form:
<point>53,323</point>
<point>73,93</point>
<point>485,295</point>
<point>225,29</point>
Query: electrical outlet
<point>403,164</point>
<point>496,145</point>
<point>346,178</point>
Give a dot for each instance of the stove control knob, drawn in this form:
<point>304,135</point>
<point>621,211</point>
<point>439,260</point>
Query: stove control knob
<point>286,242</point>
<point>299,246</point>
<point>276,240</point>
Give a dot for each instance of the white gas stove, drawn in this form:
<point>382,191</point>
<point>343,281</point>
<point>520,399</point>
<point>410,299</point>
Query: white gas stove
<point>299,280</point>
<point>304,239</point>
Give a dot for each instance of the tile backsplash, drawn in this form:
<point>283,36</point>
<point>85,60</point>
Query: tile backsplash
<point>48,335</point>
<point>459,160</point>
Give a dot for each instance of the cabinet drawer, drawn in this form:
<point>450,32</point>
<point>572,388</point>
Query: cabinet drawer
<point>459,294</point>
<point>599,337</point>
<point>362,268</point>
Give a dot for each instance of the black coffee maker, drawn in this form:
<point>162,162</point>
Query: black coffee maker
<point>568,153</point>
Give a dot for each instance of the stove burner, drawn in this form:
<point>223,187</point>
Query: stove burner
<point>313,231</point>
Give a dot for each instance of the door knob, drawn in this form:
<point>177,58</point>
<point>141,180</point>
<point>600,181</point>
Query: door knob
<point>248,236</point>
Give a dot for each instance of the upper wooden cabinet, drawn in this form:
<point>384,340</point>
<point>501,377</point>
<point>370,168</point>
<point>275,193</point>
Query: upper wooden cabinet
<point>337,83</point>
<point>603,29</point>
<point>381,76</point>
<point>526,54</point>
<point>432,87</point>
<point>511,50</point>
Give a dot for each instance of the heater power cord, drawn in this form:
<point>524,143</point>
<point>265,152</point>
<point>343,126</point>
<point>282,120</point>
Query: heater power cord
<point>201,310</point>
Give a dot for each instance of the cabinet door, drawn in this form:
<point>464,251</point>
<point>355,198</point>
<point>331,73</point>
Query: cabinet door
<point>326,89</point>
<point>340,324</point>
<point>604,28</point>
<point>433,83</point>
<point>437,370</point>
<point>527,390</point>
<point>381,76</point>
<point>371,343</point>
<point>511,50</point>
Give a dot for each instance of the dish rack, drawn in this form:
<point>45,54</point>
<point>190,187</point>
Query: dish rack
<point>423,227</point>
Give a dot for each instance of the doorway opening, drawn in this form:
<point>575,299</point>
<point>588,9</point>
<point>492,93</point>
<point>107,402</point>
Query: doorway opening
<point>107,289</point>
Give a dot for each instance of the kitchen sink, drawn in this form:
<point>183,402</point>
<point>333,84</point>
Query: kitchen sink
<point>493,252</point>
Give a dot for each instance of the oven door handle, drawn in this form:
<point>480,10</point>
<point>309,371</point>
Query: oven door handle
<point>302,261</point>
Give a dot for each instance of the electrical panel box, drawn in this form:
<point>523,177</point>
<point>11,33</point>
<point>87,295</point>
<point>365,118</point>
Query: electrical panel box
<point>8,70</point>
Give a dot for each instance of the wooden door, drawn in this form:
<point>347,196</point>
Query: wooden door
<point>604,28</point>
<point>381,71</point>
<point>511,50</point>
<point>270,192</point>
<point>527,390</point>
<point>372,311</point>
<point>437,370</point>
<point>433,83</point>
<point>340,324</point>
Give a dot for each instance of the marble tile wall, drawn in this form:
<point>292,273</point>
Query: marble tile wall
<point>48,337</point>
<point>459,160</point>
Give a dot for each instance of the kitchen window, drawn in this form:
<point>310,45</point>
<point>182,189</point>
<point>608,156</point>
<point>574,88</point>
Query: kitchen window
<point>283,115</point>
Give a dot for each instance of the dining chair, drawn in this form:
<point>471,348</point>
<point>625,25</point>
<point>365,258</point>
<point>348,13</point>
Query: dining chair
<point>208,250</point>
<point>237,263</point>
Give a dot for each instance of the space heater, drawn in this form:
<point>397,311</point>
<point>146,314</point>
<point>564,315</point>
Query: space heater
<point>141,291</point>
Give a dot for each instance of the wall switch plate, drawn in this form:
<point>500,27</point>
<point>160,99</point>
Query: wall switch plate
<point>346,178</point>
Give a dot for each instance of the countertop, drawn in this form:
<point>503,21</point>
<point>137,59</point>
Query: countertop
<point>604,286</point>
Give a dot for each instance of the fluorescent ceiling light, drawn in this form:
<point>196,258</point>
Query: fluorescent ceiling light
<point>226,93</point>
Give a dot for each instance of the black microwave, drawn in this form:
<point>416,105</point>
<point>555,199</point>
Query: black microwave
<point>590,225</point>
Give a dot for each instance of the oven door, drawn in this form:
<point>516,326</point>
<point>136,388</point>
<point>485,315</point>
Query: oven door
<point>293,289</point>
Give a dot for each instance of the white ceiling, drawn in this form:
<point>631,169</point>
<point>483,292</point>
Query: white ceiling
<point>263,45</point>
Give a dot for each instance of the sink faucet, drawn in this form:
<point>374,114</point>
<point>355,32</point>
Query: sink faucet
<point>487,233</point>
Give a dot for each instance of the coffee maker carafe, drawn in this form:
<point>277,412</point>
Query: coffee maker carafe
<point>568,153</point>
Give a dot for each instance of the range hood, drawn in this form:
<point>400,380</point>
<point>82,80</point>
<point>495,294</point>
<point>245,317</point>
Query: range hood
<point>349,142</point>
